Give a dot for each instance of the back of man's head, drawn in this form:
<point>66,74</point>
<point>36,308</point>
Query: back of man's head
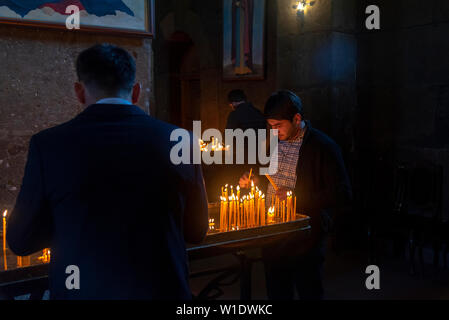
<point>106,70</point>
<point>236,96</point>
<point>283,105</point>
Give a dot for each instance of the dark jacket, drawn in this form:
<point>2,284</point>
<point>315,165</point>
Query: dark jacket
<point>322,189</point>
<point>246,116</point>
<point>102,193</point>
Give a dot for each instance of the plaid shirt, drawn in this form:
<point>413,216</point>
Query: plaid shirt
<point>288,154</point>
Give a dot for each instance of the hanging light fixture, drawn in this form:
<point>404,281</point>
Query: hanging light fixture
<point>301,6</point>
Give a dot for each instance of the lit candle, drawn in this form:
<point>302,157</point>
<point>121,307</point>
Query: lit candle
<point>252,211</point>
<point>211,224</point>
<point>234,203</point>
<point>225,210</point>
<point>4,240</point>
<point>262,211</point>
<point>276,207</point>
<point>270,216</point>
<point>246,208</point>
<point>230,212</point>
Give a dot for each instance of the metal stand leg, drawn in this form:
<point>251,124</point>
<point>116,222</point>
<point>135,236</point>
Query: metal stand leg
<point>245,276</point>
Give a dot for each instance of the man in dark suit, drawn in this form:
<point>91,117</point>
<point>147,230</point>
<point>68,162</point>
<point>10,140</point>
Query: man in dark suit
<point>102,193</point>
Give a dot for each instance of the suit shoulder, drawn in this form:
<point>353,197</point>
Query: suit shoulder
<point>53,131</point>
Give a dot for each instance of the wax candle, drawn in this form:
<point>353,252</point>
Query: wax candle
<point>270,216</point>
<point>262,211</point>
<point>5,262</point>
<point>225,214</point>
<point>294,210</point>
<point>234,203</point>
<point>252,211</point>
<point>241,214</point>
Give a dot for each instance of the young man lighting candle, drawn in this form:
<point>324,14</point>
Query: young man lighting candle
<point>311,165</point>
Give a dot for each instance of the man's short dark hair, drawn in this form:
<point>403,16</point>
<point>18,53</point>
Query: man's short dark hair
<point>283,105</point>
<point>236,96</point>
<point>107,68</point>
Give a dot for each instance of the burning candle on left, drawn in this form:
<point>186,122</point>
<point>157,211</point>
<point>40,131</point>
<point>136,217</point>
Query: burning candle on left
<point>211,224</point>
<point>5,263</point>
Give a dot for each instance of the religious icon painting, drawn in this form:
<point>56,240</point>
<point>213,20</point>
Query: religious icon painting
<point>243,39</point>
<point>132,17</point>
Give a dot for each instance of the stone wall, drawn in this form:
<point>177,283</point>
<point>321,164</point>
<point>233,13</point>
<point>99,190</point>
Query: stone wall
<point>403,86</point>
<point>36,89</point>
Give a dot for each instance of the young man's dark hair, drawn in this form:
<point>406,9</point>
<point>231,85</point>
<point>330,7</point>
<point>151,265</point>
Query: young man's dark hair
<point>283,105</point>
<point>107,68</point>
<point>236,96</point>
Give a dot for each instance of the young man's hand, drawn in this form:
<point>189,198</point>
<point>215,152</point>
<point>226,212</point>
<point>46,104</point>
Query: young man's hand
<point>281,193</point>
<point>245,183</point>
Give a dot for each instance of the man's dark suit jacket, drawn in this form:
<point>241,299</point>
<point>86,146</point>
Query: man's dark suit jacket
<point>102,193</point>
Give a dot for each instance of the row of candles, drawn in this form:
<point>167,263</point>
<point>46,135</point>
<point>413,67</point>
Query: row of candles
<point>249,211</point>
<point>214,145</point>
<point>21,261</point>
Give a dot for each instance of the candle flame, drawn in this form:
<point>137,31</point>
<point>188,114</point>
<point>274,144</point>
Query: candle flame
<point>5,213</point>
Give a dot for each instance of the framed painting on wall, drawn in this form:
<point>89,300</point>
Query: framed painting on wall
<point>132,17</point>
<point>243,39</point>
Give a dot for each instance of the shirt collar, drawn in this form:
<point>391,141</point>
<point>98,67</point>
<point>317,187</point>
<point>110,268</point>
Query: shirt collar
<point>300,137</point>
<point>103,109</point>
<point>113,101</point>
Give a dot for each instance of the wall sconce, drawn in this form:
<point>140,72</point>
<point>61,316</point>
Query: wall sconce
<point>301,7</point>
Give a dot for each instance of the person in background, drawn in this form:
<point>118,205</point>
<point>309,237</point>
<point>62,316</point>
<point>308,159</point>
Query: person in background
<point>243,115</point>
<point>101,191</point>
<point>311,165</point>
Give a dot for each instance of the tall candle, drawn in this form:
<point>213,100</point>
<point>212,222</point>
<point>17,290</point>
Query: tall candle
<point>294,210</point>
<point>225,214</point>
<point>5,262</point>
<point>262,211</point>
<point>235,210</point>
<point>221,213</point>
<point>230,212</point>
